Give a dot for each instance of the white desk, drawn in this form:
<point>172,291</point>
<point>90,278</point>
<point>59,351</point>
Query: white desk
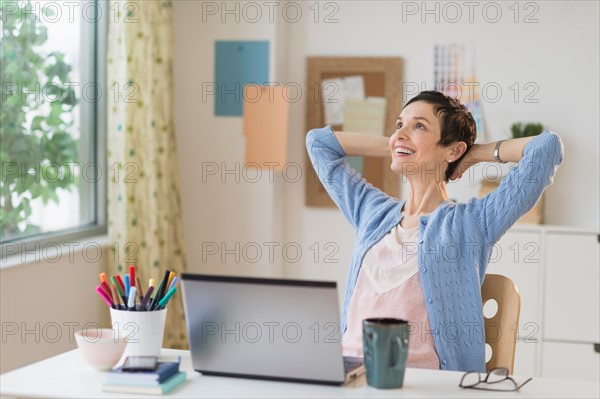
<point>68,376</point>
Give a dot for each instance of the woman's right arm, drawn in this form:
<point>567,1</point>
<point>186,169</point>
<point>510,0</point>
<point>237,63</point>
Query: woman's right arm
<point>350,192</point>
<point>366,145</point>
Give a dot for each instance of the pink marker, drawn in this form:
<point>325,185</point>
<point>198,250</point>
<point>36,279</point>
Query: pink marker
<point>101,292</point>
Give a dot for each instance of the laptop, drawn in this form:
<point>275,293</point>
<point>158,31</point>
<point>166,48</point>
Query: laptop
<point>283,330</point>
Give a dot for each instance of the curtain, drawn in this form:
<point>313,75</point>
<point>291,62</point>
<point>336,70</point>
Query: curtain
<point>144,212</point>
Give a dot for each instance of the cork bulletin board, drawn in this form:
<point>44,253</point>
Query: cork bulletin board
<point>382,78</point>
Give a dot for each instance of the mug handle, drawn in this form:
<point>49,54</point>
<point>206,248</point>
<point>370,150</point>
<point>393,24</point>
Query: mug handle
<point>399,362</point>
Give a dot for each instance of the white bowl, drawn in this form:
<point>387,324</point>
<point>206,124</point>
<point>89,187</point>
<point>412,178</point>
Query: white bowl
<point>101,347</point>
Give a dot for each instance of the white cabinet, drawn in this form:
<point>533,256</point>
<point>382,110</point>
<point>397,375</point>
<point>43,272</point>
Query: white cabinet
<point>572,300</point>
<point>570,361</point>
<point>557,272</point>
<point>571,306</point>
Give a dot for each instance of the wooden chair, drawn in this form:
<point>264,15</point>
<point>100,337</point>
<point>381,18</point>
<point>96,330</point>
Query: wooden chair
<point>501,329</point>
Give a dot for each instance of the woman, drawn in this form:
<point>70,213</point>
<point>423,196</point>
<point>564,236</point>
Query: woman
<point>424,259</point>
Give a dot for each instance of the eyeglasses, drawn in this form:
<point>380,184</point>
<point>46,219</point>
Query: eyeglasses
<point>472,380</point>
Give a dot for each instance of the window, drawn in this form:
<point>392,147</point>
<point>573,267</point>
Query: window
<point>51,119</point>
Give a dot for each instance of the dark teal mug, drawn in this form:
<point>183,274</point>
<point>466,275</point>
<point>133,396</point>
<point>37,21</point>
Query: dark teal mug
<point>385,347</point>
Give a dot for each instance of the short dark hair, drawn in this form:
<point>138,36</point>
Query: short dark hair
<point>457,123</point>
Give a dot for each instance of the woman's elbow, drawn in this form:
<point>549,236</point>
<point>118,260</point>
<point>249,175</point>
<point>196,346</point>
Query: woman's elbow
<point>556,147</point>
<point>559,148</point>
<point>309,137</point>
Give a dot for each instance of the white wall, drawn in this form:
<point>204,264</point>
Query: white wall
<point>229,209</point>
<point>559,54</point>
<point>46,299</point>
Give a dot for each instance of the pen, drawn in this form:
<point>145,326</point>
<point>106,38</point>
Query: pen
<point>174,283</point>
<point>131,304</point>
<point>103,296</point>
<point>147,298</point>
<point>160,291</point>
<point>127,285</point>
<point>115,295</point>
<point>121,284</point>
<point>163,302</point>
<point>152,283</point>
<point>171,275</point>
<point>120,289</point>
<point>164,281</point>
<point>132,275</point>
<point>155,297</point>
<point>106,290</point>
<point>103,277</point>
<point>138,285</point>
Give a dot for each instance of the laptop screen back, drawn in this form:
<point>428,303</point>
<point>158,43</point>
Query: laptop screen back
<point>262,328</point>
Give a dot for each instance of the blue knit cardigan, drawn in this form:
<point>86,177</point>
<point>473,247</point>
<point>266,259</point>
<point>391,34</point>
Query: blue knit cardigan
<point>455,240</point>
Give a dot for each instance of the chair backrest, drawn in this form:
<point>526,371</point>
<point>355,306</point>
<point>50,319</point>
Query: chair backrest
<point>501,329</point>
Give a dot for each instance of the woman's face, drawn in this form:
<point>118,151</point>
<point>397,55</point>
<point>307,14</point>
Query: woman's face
<point>414,144</point>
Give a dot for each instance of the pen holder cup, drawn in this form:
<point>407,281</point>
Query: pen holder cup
<point>144,331</point>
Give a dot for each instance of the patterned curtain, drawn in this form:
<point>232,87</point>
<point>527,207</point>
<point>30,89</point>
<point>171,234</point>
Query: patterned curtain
<point>144,212</point>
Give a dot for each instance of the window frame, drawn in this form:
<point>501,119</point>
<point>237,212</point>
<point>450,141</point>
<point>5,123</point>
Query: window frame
<point>94,36</point>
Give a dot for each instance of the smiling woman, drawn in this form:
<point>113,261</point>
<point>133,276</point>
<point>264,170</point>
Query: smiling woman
<point>445,129</point>
<point>433,143</point>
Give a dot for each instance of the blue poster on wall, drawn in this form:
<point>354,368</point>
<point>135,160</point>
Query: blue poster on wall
<point>238,63</point>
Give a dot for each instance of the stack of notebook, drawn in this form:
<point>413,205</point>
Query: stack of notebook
<point>160,381</point>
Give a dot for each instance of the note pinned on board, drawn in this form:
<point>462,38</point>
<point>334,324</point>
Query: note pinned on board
<point>454,73</point>
<point>266,117</point>
<point>335,92</point>
<point>365,115</point>
<point>238,63</point>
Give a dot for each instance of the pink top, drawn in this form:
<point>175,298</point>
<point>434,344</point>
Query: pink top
<point>388,285</point>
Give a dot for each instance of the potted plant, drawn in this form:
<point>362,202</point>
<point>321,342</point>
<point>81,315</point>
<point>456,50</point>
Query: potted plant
<point>530,129</point>
<point>518,130</point>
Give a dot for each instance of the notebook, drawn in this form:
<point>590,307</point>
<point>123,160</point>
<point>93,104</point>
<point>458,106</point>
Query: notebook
<point>284,330</point>
<point>163,371</point>
<point>141,387</point>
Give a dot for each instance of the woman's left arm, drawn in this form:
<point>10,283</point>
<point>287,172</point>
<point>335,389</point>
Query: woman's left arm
<point>538,158</point>
<point>508,151</point>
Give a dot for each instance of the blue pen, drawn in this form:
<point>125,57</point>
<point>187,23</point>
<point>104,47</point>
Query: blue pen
<point>131,302</point>
<point>174,282</point>
<point>127,285</point>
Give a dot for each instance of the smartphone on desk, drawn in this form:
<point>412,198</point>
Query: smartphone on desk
<point>140,363</point>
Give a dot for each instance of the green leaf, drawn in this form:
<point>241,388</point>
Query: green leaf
<point>530,129</point>
<point>36,123</point>
<point>32,133</point>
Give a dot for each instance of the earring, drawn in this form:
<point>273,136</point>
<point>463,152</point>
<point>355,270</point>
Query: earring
<point>449,160</point>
